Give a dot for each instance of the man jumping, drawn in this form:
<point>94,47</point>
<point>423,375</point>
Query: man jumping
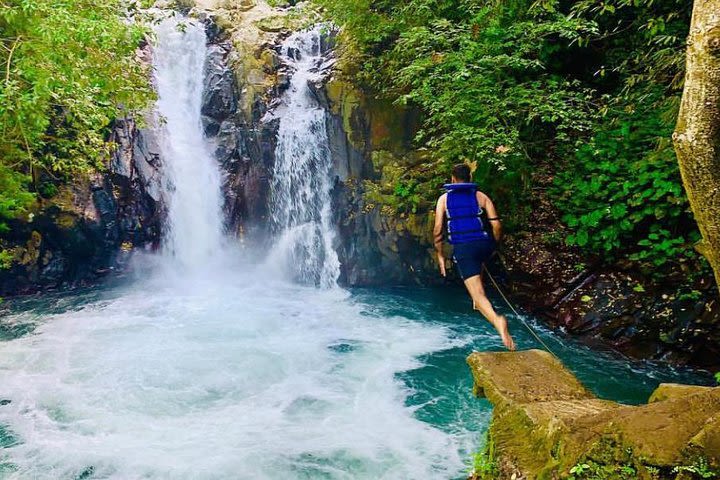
<point>467,213</point>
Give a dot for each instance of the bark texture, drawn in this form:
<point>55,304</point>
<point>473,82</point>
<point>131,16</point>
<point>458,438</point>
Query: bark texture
<point>697,135</point>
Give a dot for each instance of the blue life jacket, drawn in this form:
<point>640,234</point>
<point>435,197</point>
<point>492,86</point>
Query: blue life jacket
<point>464,214</point>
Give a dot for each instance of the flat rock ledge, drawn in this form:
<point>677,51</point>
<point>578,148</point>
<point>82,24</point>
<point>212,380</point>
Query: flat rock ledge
<point>547,425</point>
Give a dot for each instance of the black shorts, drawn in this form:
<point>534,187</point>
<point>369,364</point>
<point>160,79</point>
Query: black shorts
<point>470,257</point>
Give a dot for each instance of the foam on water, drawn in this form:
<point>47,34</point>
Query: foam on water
<point>243,377</point>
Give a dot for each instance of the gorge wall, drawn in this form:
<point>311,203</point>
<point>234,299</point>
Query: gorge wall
<point>91,226</point>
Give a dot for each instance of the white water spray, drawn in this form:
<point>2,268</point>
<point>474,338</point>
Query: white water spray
<point>192,177</point>
<point>302,179</point>
<point>229,372</point>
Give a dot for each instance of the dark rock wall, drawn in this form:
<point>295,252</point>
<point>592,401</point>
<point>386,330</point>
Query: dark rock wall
<point>374,248</point>
<point>244,145</point>
<point>90,227</point>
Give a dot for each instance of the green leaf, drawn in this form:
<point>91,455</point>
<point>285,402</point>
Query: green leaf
<point>582,238</point>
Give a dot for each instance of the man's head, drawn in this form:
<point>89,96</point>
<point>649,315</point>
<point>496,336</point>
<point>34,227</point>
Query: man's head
<point>461,173</point>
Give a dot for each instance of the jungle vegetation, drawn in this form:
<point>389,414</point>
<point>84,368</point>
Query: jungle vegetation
<point>576,99</point>
<point>69,67</point>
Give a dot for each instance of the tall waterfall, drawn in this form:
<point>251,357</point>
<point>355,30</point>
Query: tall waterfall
<point>302,179</point>
<point>192,177</point>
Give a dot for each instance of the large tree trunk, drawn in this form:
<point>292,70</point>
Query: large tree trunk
<point>697,135</point>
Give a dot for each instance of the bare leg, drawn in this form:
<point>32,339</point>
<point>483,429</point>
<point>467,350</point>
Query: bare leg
<point>481,303</point>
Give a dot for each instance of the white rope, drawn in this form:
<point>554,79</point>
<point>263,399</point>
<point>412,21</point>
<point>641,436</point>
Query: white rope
<point>502,294</point>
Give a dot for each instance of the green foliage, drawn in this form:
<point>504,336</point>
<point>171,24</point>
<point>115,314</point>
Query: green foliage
<point>594,471</point>
<point>699,468</point>
<point>69,69</point>
<point>483,461</point>
<point>479,74</point>
<point>717,377</point>
<point>14,197</point>
<point>5,259</point>
<point>591,470</point>
<point>400,191</point>
<point>580,469</point>
<point>590,87</point>
<point>623,194</point>
<point>47,189</point>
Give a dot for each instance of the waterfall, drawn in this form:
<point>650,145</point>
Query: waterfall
<point>302,181</point>
<point>192,177</point>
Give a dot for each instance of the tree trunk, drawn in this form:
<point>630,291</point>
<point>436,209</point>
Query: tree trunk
<point>697,135</point>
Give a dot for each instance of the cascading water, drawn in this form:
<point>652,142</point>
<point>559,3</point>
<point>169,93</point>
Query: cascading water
<point>192,177</point>
<point>302,178</point>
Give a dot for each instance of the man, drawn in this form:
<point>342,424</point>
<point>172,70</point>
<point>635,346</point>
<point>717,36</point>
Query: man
<point>463,208</point>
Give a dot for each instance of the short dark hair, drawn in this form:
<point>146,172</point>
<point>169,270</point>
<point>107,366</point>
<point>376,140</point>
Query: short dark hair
<point>461,172</point>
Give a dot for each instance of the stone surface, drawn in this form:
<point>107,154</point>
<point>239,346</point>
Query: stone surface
<point>666,391</point>
<point>89,227</point>
<point>545,422</point>
<point>528,376</point>
<point>365,133</point>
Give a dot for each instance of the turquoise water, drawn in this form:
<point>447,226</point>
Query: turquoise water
<point>442,388</point>
<point>255,379</point>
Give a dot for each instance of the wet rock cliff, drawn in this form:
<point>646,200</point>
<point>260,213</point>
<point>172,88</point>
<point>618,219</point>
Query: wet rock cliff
<point>90,227</point>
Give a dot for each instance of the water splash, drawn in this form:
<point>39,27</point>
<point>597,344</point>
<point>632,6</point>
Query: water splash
<point>302,178</point>
<point>193,182</point>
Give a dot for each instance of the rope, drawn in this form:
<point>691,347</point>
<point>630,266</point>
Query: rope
<point>517,314</point>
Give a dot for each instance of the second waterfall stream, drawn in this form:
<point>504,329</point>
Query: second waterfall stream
<point>301,203</point>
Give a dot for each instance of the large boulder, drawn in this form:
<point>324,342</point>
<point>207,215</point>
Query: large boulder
<point>546,423</point>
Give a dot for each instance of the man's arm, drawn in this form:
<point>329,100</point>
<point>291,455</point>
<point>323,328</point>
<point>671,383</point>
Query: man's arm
<point>493,217</point>
<point>439,222</point>
<point>438,232</point>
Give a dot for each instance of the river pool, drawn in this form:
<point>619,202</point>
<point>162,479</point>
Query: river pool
<point>236,375</point>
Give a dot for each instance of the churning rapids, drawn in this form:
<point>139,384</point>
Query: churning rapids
<point>209,366</point>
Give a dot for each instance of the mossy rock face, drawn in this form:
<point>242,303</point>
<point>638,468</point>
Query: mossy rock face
<point>535,398</point>
<point>274,24</point>
<point>392,127</point>
<point>545,423</point>
<point>524,377</point>
<point>29,255</point>
<point>66,220</point>
<point>706,444</point>
<point>346,101</point>
<point>667,391</point>
<point>384,125</point>
<point>241,5</point>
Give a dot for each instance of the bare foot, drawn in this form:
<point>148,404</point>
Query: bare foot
<point>502,328</point>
